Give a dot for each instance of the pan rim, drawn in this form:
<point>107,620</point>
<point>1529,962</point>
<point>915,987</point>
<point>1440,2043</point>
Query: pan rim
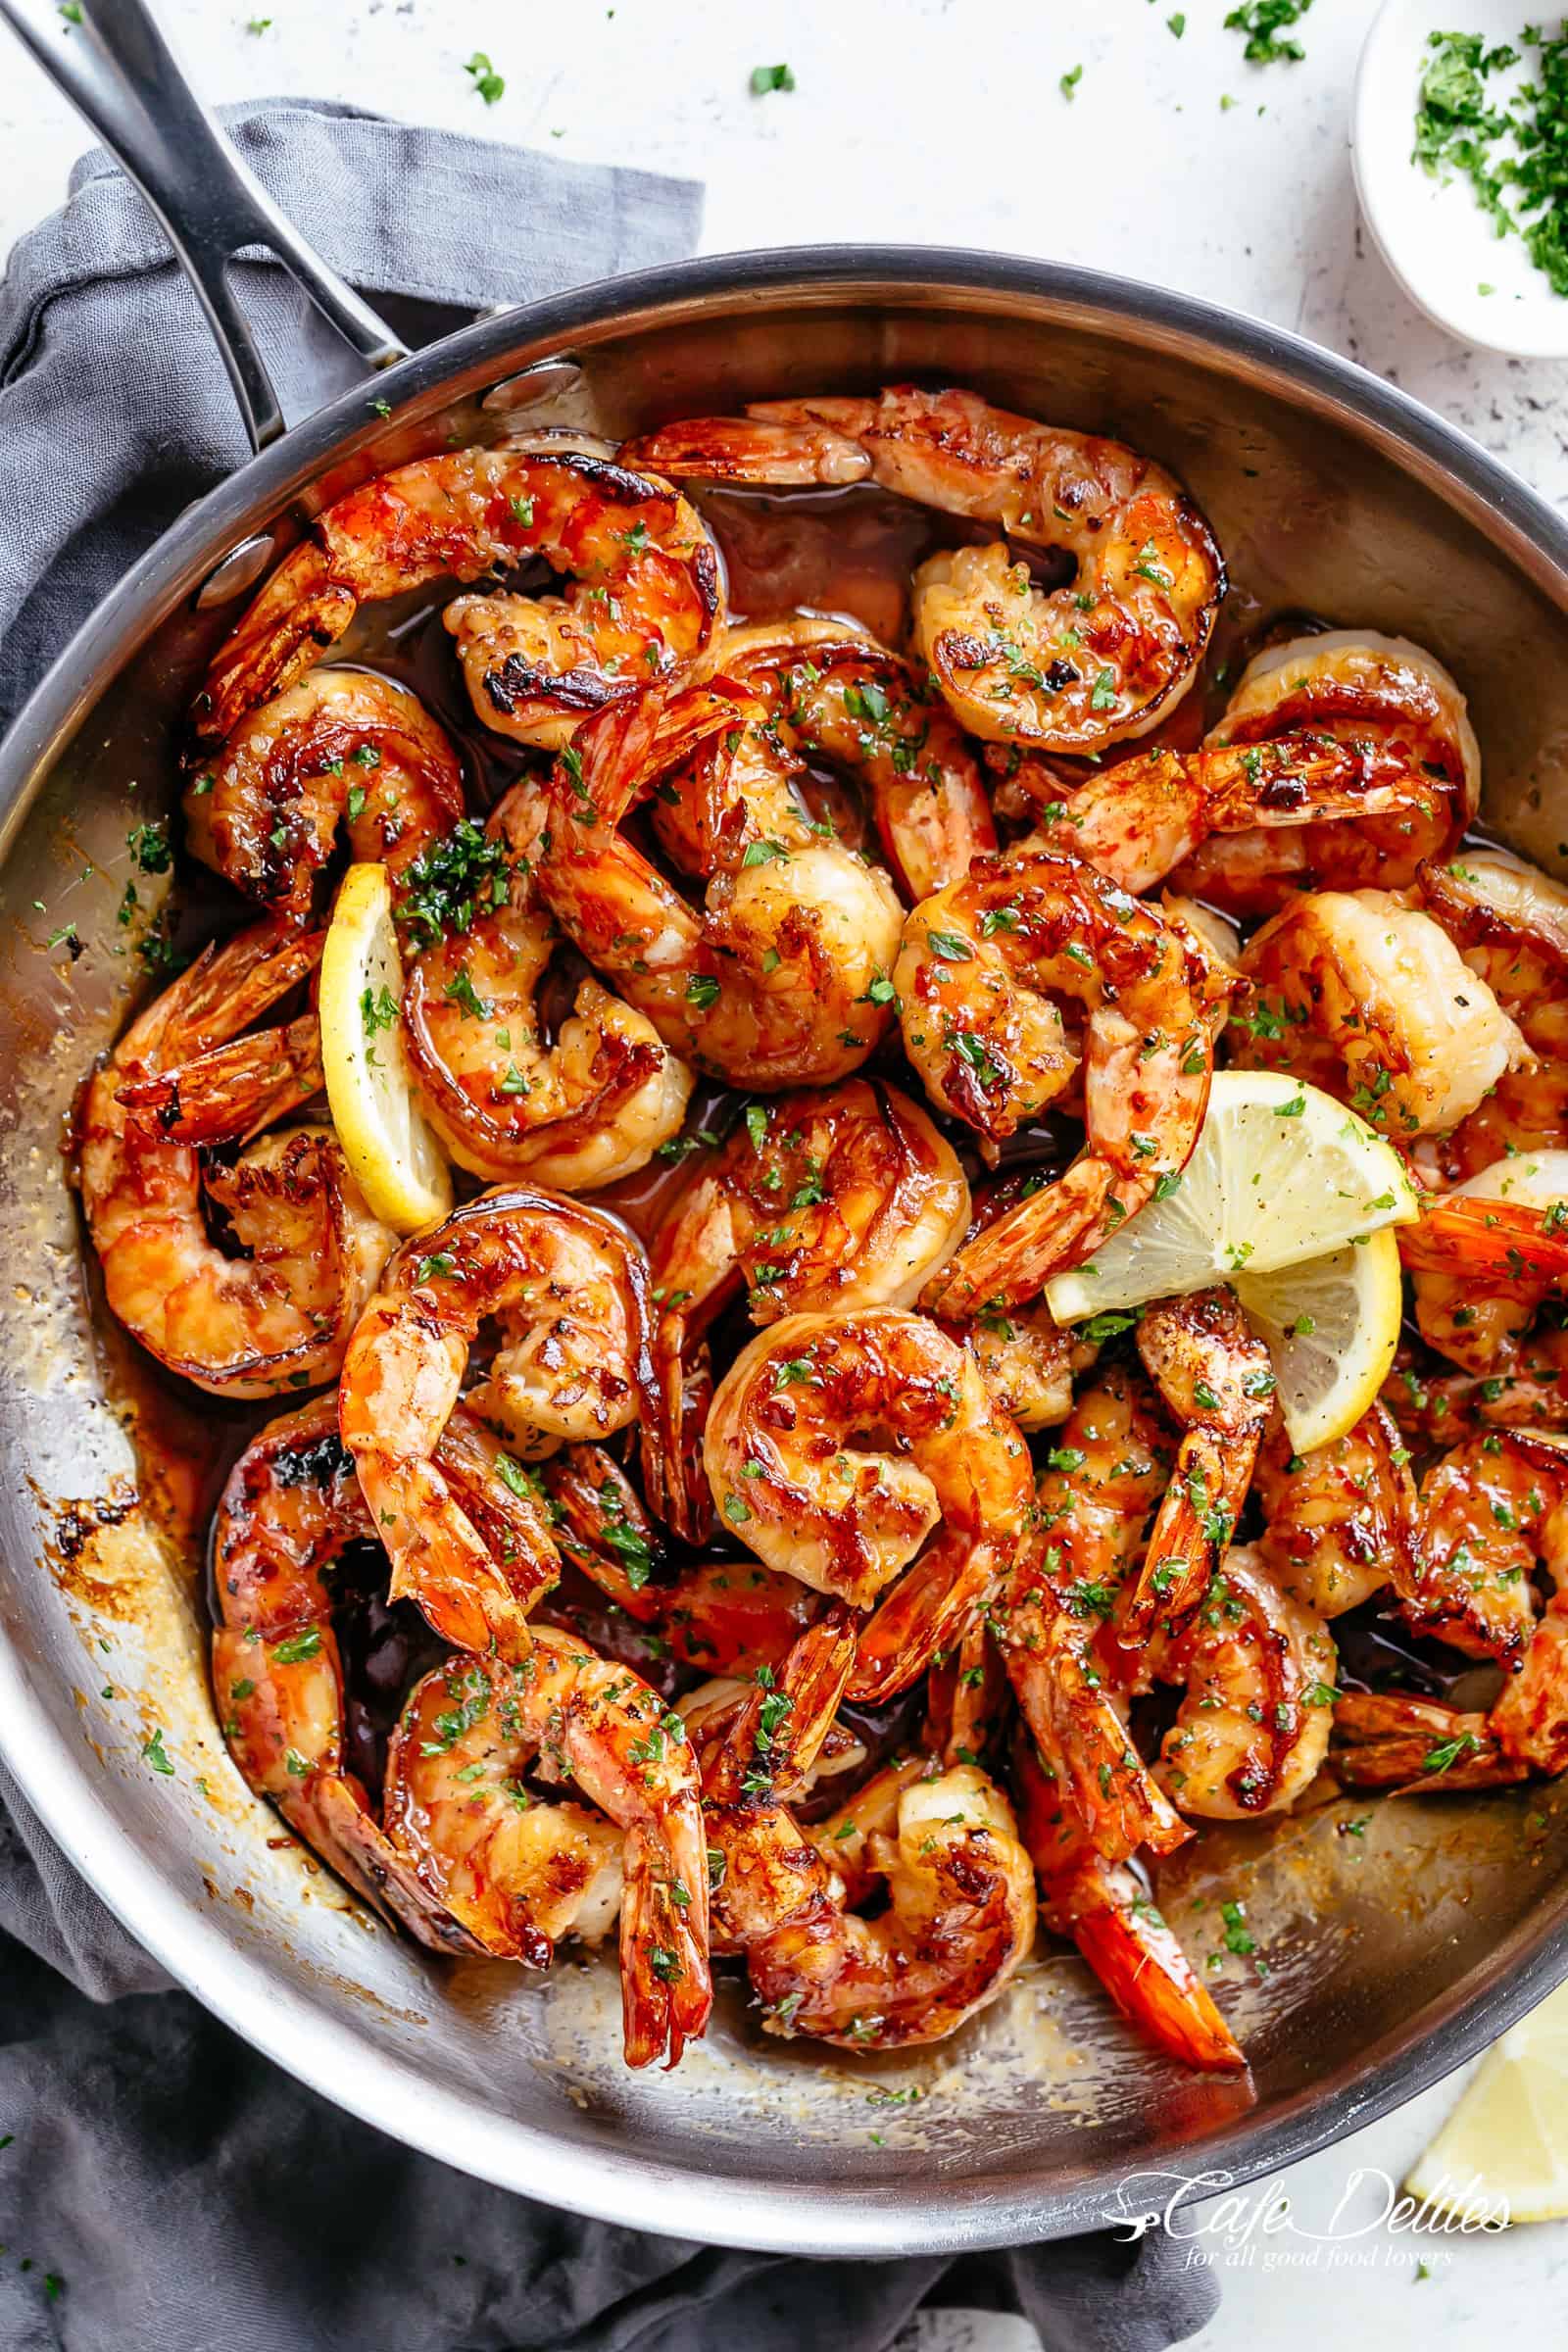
<point>644,2190</point>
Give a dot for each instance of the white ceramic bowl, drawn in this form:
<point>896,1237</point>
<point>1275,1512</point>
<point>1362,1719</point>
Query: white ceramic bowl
<point>1433,235</point>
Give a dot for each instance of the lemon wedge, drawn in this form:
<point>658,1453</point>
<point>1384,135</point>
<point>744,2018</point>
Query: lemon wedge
<point>1333,1326</point>
<point>1281,1172</point>
<point>1507,2139</point>
<point>386,1142</point>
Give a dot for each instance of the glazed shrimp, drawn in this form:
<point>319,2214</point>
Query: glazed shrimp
<point>1369,999</point>
<point>944,1845</point>
<point>1215,1377</point>
<point>569,1288</point>
<point>1093,1499</point>
<point>1139,820</point>
<point>1258,1673</point>
<point>519,1875</point>
<point>1502,1500</point>
<point>1488,1257</point>
<point>1510,923</point>
<point>836,1445</point>
<point>782,979</point>
<point>1106,1909</point>
<point>1072,670</point>
<point>843,1199</point>
<point>644,598</point>
<point>280,1315</point>
<point>980,968</point>
<point>727,1616</point>
<point>1399,714</point>
<point>290,1508</point>
<point>343,749</point>
<point>1027,1360</point>
<point>578,1113</point>
<point>848,700</point>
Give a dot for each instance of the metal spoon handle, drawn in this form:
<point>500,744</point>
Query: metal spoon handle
<point>117,68</point>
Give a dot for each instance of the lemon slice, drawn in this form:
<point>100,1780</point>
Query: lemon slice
<point>393,1153</point>
<point>1332,1325</point>
<point>1281,1172</point>
<point>1507,2139</point>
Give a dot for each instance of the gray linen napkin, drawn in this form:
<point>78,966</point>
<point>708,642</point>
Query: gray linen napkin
<point>163,2188</point>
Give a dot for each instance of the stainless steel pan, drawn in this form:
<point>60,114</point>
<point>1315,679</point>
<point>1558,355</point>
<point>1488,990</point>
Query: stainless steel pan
<point>1394,1953</point>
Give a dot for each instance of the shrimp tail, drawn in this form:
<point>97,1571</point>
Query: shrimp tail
<point>667,1986</point>
<point>1387,1739</point>
<point>233,1092</point>
<point>1010,1260</point>
<point>1149,1977</point>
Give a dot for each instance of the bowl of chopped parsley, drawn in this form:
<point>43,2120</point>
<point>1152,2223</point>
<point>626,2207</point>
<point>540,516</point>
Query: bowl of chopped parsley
<point>1460,142</point>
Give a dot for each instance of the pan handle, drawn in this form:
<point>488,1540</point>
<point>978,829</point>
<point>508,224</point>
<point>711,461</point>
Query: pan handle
<point>114,63</point>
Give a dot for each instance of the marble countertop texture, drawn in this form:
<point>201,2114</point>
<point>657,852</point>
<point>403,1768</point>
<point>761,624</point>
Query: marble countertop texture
<point>946,124</point>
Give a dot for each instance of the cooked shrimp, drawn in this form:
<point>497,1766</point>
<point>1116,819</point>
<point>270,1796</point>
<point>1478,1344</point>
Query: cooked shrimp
<point>343,749</point>
<point>981,965</point>
<point>1396,710</point>
<point>1027,1360</point>
<point>290,1508</point>
<point>569,1288</point>
<point>577,1112</point>
<point>1491,1509</point>
<point>1343,1521</point>
<point>846,699</point>
<point>838,1444</point>
<point>1510,923</point>
<point>843,1199</point>
<point>959,1915</point>
<point>1140,819</point>
<point>1093,1499</point>
<point>1257,1672</point>
<point>280,1315</point>
<point>1488,1257</point>
<point>1073,669</point>
<point>1215,1377</point>
<point>644,599</point>
<point>782,979</point>
<point>455,1804</point>
<point>1107,1910</point>
<point>1370,1000</point>
<point>726,1616</point>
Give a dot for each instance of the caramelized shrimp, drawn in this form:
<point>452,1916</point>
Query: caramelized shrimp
<point>1093,1499</point>
<point>980,968</point>
<point>594,1105</point>
<point>1214,1375</point>
<point>1370,1000</point>
<point>836,1445</point>
<point>727,1616</point>
<point>843,1199</point>
<point>1343,1521</point>
<point>782,979</point>
<point>1488,1257</point>
<point>1389,1739</point>
<point>1392,708</point>
<point>1070,670</point>
<point>943,1845</point>
<point>643,599</point>
<point>1106,1909</point>
<point>280,1315</point>
<point>343,749</point>
<point>569,1288</point>
<point>1139,820</point>
<point>1490,1508</point>
<point>519,1875</point>
<point>290,1508</point>
<point>1257,1672</point>
<point>846,699</point>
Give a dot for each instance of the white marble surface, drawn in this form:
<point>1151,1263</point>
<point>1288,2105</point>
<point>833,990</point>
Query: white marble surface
<point>943,122</point>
